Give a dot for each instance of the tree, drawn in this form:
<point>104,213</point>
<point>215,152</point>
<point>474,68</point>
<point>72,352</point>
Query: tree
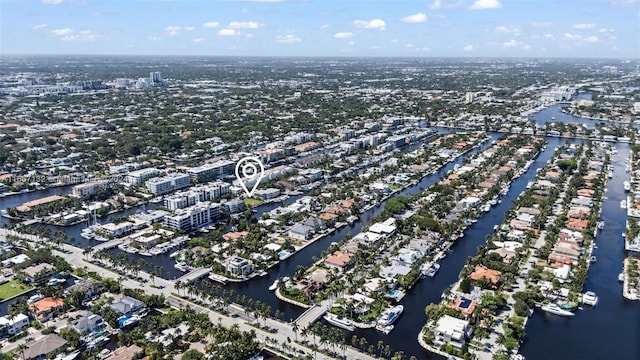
<point>465,285</point>
<point>193,354</point>
<point>295,327</point>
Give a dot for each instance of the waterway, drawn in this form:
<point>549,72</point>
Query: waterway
<point>608,331</point>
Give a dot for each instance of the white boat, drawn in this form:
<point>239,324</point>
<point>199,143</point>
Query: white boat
<point>34,298</point>
<point>593,259</point>
<point>87,234</point>
<point>274,286</point>
<point>621,277</point>
<point>156,251</point>
<point>100,238</point>
<point>174,254</point>
<point>387,329</point>
<point>181,266</point>
<point>390,315</point>
<point>627,186</point>
<point>553,308</point>
<point>340,322</point>
<point>218,278</point>
<point>529,184</point>
<point>590,298</point>
<point>623,204</point>
<point>145,253</point>
<point>433,269</point>
<point>56,281</point>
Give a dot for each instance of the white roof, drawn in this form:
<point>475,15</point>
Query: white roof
<point>451,326</point>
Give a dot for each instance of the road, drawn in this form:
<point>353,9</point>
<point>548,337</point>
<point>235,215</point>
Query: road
<point>76,258</point>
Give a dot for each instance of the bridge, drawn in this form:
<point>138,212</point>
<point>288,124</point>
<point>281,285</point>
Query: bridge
<point>310,315</point>
<point>107,245</point>
<point>193,274</point>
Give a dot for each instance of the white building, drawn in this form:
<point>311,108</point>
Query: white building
<point>138,177</point>
<point>14,325</point>
<point>451,330</point>
<point>190,218</point>
<point>88,189</point>
<point>238,266</point>
<point>211,171</point>
<point>166,184</point>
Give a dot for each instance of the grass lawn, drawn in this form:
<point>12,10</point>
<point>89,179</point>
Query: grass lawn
<point>12,288</point>
<point>249,202</point>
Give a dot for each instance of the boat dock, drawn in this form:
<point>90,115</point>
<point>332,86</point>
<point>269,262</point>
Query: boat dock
<point>311,315</point>
<point>193,275</point>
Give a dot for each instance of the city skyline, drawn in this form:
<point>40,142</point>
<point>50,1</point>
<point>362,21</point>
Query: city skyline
<point>434,28</point>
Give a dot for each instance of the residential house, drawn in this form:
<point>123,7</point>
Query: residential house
<point>316,224</point>
<point>38,273</point>
<point>13,325</point>
<point>505,254</point>
<point>339,260</point>
<point>300,231</point>
<point>452,331</point>
<point>88,323</point>
<point>89,287</point>
<point>465,306</point>
<point>238,266</point>
<point>125,353</point>
<point>128,305</point>
<point>481,272</point>
<point>44,309</point>
<point>41,348</point>
<point>577,224</point>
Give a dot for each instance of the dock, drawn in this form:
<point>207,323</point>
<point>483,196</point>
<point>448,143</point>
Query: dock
<point>193,275</point>
<point>311,315</point>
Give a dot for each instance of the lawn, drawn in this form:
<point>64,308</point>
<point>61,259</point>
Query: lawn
<point>12,288</point>
<point>249,202</point>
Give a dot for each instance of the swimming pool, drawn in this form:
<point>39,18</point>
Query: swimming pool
<point>394,294</point>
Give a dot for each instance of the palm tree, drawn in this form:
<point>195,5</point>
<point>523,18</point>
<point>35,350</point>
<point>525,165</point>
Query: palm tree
<point>380,346</point>
<point>295,328</point>
<point>21,348</point>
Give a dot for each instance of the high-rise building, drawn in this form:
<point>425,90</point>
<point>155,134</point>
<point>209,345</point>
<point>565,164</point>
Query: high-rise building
<point>155,77</point>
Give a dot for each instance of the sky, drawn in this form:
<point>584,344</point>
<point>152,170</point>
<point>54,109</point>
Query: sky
<point>384,28</point>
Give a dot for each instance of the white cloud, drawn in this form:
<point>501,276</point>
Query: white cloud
<point>155,38</point>
<point>526,47</point>
<point>351,43</point>
<point>197,40</point>
<point>437,4</point>
<point>343,35</point>
<point>372,24</point>
<point>324,27</point>
<point>52,2</point>
<point>415,18</point>
<point>583,26</point>
<point>508,30</point>
<point>39,27</point>
<point>606,31</point>
<point>61,32</point>
<point>211,24</point>
<point>544,24</point>
<point>570,36</point>
<point>468,48</point>
<point>228,32</point>
<point>625,3</point>
<point>189,28</point>
<point>172,30</point>
<point>244,25</point>
<point>591,39</point>
<point>549,36</point>
<point>83,35</point>
<point>287,39</point>
<point>261,1</point>
<point>485,4</point>
<point>510,43</point>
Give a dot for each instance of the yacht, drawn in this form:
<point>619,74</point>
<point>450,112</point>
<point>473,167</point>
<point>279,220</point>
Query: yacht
<point>621,277</point>
<point>553,308</point>
<point>390,315</point>
<point>627,186</point>
<point>87,234</point>
<point>274,286</point>
<point>340,322</point>
<point>145,253</point>
<point>174,254</point>
<point>623,204</point>
<point>56,281</point>
<point>34,298</point>
<point>433,269</point>
<point>590,298</point>
<point>387,329</point>
<point>218,278</point>
<point>593,259</point>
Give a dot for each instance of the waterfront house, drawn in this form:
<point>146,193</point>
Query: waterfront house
<point>582,201</point>
<point>43,347</point>
<point>238,266</point>
<point>235,236</point>
<point>396,268</point>
<point>577,224</point>
<point>408,256</point>
<point>339,260</point>
<point>367,239</point>
<point>483,272</point>
<point>300,231</point>
<point>316,224</point>
<point>464,305</point>
<point>37,273</point>
<point>386,228</point>
<point>422,246</point>
<point>128,306</point>
<point>452,331</point>
<point>505,254</point>
<point>88,323</point>
<point>13,325</point>
<point>88,287</point>
<point>44,309</point>
<point>125,353</point>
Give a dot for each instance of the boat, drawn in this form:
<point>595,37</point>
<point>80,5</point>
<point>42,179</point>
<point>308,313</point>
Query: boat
<point>55,281</point>
<point>590,298</point>
<point>553,308</point>
<point>145,253</point>
<point>593,259</point>
<point>100,238</point>
<point>529,185</point>
<point>621,277</point>
<point>181,266</point>
<point>174,254</point>
<point>34,298</point>
<point>87,234</point>
<point>340,322</point>
<point>623,204</point>
<point>218,278</point>
<point>432,270</point>
<point>390,315</point>
<point>387,329</point>
<point>627,186</point>
<point>274,286</point>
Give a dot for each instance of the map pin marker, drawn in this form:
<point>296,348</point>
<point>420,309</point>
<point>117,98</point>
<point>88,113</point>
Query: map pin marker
<point>249,170</point>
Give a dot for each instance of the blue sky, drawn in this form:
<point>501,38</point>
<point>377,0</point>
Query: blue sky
<point>432,28</point>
